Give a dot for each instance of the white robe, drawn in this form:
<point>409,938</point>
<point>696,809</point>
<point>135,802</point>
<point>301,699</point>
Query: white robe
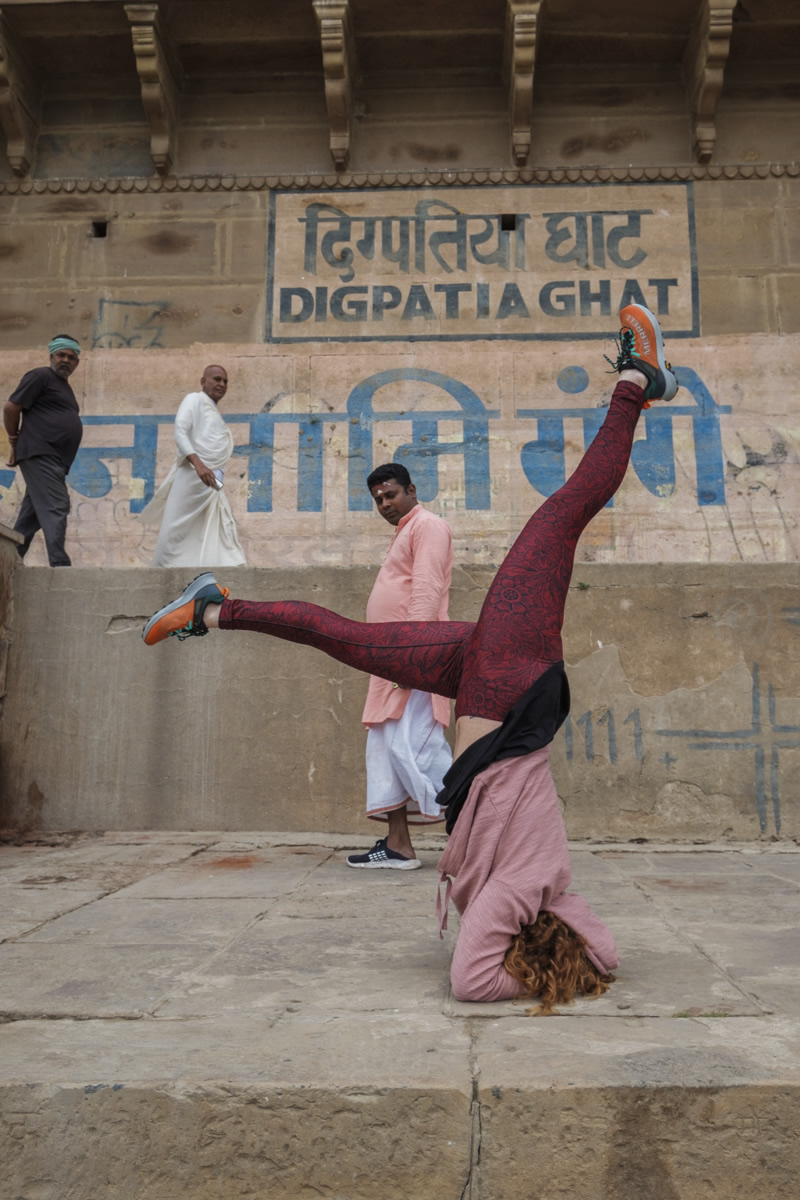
<point>406,762</point>
<point>197,525</point>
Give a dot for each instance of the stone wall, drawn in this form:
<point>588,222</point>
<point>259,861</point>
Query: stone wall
<point>472,350</point>
<point>685,721</point>
<point>9,560</point>
<point>172,193</point>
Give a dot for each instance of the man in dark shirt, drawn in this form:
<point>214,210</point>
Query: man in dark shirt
<point>44,428</point>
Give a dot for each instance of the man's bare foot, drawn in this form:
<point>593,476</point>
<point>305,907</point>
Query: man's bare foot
<point>399,837</point>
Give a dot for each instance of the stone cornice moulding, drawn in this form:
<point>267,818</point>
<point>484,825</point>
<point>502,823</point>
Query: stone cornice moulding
<point>339,68</point>
<point>704,64</point>
<point>522,28</point>
<point>159,77</point>
<point>20,101</point>
<point>568,176</point>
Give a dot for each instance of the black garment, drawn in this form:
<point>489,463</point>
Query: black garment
<point>531,724</point>
<point>51,422</point>
<point>45,506</point>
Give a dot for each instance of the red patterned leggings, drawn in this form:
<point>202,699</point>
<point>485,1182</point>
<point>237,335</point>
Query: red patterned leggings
<point>487,666</point>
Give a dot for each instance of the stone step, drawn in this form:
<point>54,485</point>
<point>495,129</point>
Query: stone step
<point>198,1015</point>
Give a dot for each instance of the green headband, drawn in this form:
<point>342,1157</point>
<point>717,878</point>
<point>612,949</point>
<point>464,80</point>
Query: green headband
<point>64,343</point>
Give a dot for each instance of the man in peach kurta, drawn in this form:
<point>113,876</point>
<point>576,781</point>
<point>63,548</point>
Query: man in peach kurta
<point>407,754</point>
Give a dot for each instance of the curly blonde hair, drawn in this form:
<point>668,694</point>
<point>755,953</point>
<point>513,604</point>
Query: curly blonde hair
<point>549,961</point>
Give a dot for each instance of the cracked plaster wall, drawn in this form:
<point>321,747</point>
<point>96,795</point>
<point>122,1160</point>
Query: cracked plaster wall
<point>685,721</point>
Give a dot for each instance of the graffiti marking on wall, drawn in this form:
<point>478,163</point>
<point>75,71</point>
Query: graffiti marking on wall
<point>764,740</point>
<point>607,722</point>
<point>128,324</point>
<point>652,457</point>
<point>542,460</point>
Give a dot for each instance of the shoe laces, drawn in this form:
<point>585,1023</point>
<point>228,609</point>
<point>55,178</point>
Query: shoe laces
<point>626,350</point>
<point>189,630</point>
<point>183,633</point>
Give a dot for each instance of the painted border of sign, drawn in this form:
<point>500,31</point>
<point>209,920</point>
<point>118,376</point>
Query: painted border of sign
<point>273,337</point>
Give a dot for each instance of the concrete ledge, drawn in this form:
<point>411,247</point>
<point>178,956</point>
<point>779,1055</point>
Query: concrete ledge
<point>187,1016</point>
<point>205,1141</point>
<point>9,561</point>
<point>685,720</point>
<point>11,535</point>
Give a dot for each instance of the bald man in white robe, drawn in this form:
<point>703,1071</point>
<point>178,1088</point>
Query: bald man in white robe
<point>197,525</point>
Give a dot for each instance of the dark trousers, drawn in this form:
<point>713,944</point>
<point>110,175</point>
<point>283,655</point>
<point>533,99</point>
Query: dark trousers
<point>45,506</point>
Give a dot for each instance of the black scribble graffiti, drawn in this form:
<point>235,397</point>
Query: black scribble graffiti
<point>774,459</point>
<point>125,324</point>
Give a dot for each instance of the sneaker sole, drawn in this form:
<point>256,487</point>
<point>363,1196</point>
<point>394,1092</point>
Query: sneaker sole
<point>413,864</point>
<point>188,594</point>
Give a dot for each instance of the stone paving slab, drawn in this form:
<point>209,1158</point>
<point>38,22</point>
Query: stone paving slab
<point>242,1015</point>
<point>124,920</point>
<point>227,875</point>
<point>28,909</point>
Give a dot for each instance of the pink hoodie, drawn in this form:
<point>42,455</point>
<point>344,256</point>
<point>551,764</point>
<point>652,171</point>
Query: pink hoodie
<point>508,858</point>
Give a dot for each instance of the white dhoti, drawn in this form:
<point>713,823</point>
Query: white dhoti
<point>406,761</point>
<point>197,525</point>
<point>197,529</point>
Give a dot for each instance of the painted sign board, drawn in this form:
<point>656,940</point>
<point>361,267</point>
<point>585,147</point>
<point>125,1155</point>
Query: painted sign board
<point>516,264</point>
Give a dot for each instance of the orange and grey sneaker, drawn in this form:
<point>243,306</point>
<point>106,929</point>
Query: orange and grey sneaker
<point>184,617</point>
<point>641,348</point>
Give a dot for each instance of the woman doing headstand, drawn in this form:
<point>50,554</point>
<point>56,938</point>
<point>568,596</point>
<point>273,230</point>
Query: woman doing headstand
<point>506,864</point>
